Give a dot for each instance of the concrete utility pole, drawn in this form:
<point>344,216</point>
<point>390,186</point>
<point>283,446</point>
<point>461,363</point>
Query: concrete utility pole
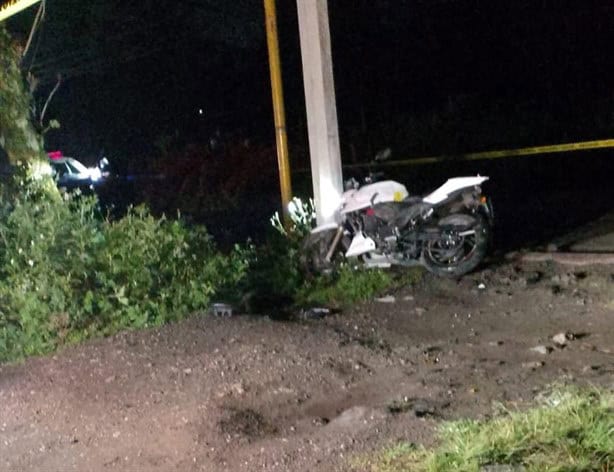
<point>321,107</point>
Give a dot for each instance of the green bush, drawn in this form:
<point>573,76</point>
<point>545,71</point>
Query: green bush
<point>67,274</point>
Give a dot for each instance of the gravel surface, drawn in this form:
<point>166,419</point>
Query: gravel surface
<point>248,393</point>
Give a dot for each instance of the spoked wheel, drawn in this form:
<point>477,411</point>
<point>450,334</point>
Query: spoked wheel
<point>458,250</point>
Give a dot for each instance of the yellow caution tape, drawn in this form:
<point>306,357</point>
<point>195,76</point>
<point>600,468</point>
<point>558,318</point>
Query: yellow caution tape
<point>474,156</point>
<point>12,7</point>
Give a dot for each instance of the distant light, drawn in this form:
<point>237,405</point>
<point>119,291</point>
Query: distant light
<point>200,111</point>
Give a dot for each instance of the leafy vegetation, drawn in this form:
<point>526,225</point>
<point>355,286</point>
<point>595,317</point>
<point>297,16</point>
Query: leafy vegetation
<point>569,430</point>
<point>67,273</point>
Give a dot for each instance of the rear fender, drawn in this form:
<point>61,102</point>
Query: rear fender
<point>457,221</point>
<point>486,210</point>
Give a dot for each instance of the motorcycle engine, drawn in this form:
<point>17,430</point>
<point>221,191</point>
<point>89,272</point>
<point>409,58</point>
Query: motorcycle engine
<point>378,222</point>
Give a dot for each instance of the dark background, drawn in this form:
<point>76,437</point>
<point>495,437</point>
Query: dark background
<point>422,77</point>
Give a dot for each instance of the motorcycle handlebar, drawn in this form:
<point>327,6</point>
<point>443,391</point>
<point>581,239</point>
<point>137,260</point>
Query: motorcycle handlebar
<point>373,177</point>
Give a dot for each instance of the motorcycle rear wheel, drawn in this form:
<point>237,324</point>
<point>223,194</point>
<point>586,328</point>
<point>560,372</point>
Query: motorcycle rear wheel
<point>456,254</point>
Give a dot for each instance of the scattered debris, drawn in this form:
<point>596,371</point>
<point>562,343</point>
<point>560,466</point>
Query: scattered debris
<point>408,298</point>
<point>541,349</point>
<point>221,309</point>
<point>316,312</point>
<point>386,299</point>
<point>533,365</point>
<point>482,286</point>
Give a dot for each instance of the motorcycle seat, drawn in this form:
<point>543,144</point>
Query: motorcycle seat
<point>412,200</point>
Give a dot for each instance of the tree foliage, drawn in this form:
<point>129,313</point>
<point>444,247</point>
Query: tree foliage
<point>18,137</point>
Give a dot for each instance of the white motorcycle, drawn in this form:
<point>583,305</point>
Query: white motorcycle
<point>447,231</point>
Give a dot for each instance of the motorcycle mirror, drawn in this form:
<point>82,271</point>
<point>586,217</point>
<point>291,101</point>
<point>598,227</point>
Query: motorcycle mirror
<point>383,154</point>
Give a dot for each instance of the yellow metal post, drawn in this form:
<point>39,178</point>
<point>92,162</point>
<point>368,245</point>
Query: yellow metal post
<point>278,106</point>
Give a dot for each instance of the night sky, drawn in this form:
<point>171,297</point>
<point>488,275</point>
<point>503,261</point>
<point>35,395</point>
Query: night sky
<point>483,73</point>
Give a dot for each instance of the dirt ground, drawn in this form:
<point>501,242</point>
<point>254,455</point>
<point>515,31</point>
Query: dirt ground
<point>248,393</point>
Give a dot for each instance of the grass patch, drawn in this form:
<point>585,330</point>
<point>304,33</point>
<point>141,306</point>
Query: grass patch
<point>344,286</point>
<point>348,285</point>
<point>568,430</point>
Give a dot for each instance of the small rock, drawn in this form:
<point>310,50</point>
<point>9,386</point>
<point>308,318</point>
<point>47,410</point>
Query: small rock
<point>408,298</point>
<point>320,421</point>
<point>495,343</point>
<point>237,388</point>
<point>505,280</point>
<point>482,287</point>
<point>386,299</point>
<point>560,339</point>
<point>420,311</point>
<point>187,371</point>
<point>533,277</point>
<point>533,365</point>
<point>541,349</point>
<point>564,279</point>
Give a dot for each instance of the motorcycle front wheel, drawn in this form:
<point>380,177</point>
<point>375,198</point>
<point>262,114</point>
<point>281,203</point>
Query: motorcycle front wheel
<point>458,250</point>
<point>313,253</point>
